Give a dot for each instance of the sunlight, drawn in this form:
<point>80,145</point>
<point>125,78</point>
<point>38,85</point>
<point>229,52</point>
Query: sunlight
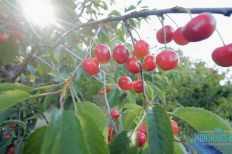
<point>40,12</point>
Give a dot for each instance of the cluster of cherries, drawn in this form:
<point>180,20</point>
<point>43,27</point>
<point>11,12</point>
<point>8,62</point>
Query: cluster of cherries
<point>11,150</point>
<point>142,133</point>
<point>16,32</point>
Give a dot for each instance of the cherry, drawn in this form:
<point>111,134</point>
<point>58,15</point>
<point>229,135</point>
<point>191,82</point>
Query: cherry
<point>10,28</point>
<point>108,142</point>
<point>18,23</point>
<point>80,88</point>
<point>222,56</point>
<point>142,129</point>
<point>15,62</point>
<point>125,83</point>
<point>137,86</point>
<point>169,34</point>
<point>21,37</point>
<point>102,53</point>
<point>12,126</point>
<point>111,137</point>
<point>114,114</point>
<point>121,54</point>
<point>5,37</point>
<point>3,15</point>
<point>108,89</point>
<point>22,31</point>
<point>91,66</point>
<point>137,76</point>
<point>141,49</point>
<point>133,65</point>
<point>175,127</point>
<point>77,39</point>
<point>16,42</point>
<point>119,89</point>
<point>66,61</point>
<point>90,29</point>
<point>109,129</point>
<point>178,38</point>
<point>35,64</point>
<point>125,93</point>
<point>141,138</point>
<point>149,63</point>
<point>11,150</point>
<point>7,135</point>
<point>167,60</point>
<point>101,92</point>
<point>14,34</point>
<point>199,28</point>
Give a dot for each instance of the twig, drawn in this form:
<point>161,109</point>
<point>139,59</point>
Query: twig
<point>129,31</point>
<point>46,63</point>
<point>21,78</point>
<point>116,85</point>
<point>107,104</point>
<point>10,5</point>
<point>45,94</point>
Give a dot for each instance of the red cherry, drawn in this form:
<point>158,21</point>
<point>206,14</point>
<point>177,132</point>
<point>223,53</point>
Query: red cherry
<point>114,114</point>
<point>125,93</point>
<point>101,92</point>
<point>121,54</point>
<point>108,142</point>
<point>80,88</point>
<point>133,65</point>
<point>141,138</point>
<point>66,61</point>
<point>102,53</point>
<point>18,23</point>
<point>14,34</point>
<point>112,137</point>
<point>125,83</point>
<point>141,49</point>
<point>149,63</point>
<point>222,56</point>
<point>35,64</point>
<point>108,89</point>
<point>7,135</point>
<point>22,31</point>
<point>175,127</point>
<point>11,150</point>
<point>142,129</point>
<point>12,126</point>
<point>109,129</point>
<point>16,42</point>
<point>21,37</point>
<point>178,38</point>
<point>167,60</point>
<point>137,86</point>
<point>5,37</point>
<point>91,66</point>
<point>10,28</point>
<point>137,76</point>
<point>90,28</point>
<point>3,15</point>
<point>169,34</point>
<point>199,28</point>
<point>15,62</point>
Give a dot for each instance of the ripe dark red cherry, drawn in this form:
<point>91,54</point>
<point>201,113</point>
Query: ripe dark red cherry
<point>91,66</point>
<point>16,42</point>
<point>178,38</point>
<point>149,63</point>
<point>11,150</point>
<point>102,53</point>
<point>125,83</point>
<point>142,129</point>
<point>114,114</point>
<point>109,129</point>
<point>199,28</point>
<point>169,34</point>
<point>137,86</point>
<point>175,127</point>
<point>101,92</point>
<point>7,135</point>
<point>141,49</point>
<point>222,56</point>
<point>5,37</point>
<point>108,89</point>
<point>141,138</point>
<point>133,65</point>
<point>12,126</point>
<point>121,54</point>
<point>3,15</point>
<point>167,60</point>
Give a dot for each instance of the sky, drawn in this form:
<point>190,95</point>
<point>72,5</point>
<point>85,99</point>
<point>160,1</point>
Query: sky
<point>198,50</point>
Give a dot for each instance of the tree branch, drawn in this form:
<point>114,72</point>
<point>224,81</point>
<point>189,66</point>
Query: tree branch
<point>37,57</point>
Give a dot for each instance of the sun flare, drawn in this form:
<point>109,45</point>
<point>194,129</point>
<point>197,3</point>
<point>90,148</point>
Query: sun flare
<point>40,12</point>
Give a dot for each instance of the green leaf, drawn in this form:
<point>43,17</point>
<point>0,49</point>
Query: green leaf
<point>14,86</point>
<point>34,142</point>
<point>125,142</point>
<point>94,136</point>
<point>144,149</point>
<point>131,96</point>
<point>14,122</point>
<point>157,76</point>
<point>159,92</point>
<point>59,53</point>
<point>78,74</point>
<point>55,73</point>
<point>159,131</point>
<point>19,147</point>
<point>11,98</point>
<point>132,22</point>
<point>8,52</point>
<point>114,12</point>
<point>130,118</point>
<point>96,113</point>
<point>70,59</point>
<point>130,8</point>
<point>7,114</point>
<point>178,147</point>
<point>113,98</point>
<point>48,99</point>
<point>92,91</point>
<point>22,48</point>
<point>5,143</point>
<point>133,106</point>
<point>64,135</point>
<point>139,2</point>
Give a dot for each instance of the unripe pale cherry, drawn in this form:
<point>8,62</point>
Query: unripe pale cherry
<point>91,66</point>
<point>141,49</point>
<point>102,53</point>
<point>178,38</point>
<point>125,83</point>
<point>121,54</point>
<point>114,114</point>
<point>167,60</point>
<point>141,138</point>
<point>169,34</point>
<point>133,65</point>
<point>149,63</point>
<point>175,127</point>
<point>137,86</point>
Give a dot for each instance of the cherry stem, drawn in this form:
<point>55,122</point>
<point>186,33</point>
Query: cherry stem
<point>144,90</point>
<point>172,20</point>
<point>73,99</point>
<point>129,31</point>
<point>137,33</point>
<point>220,37</point>
<point>185,144</point>
<point>162,23</point>
<point>186,10</point>
<point>140,121</point>
<point>107,104</point>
